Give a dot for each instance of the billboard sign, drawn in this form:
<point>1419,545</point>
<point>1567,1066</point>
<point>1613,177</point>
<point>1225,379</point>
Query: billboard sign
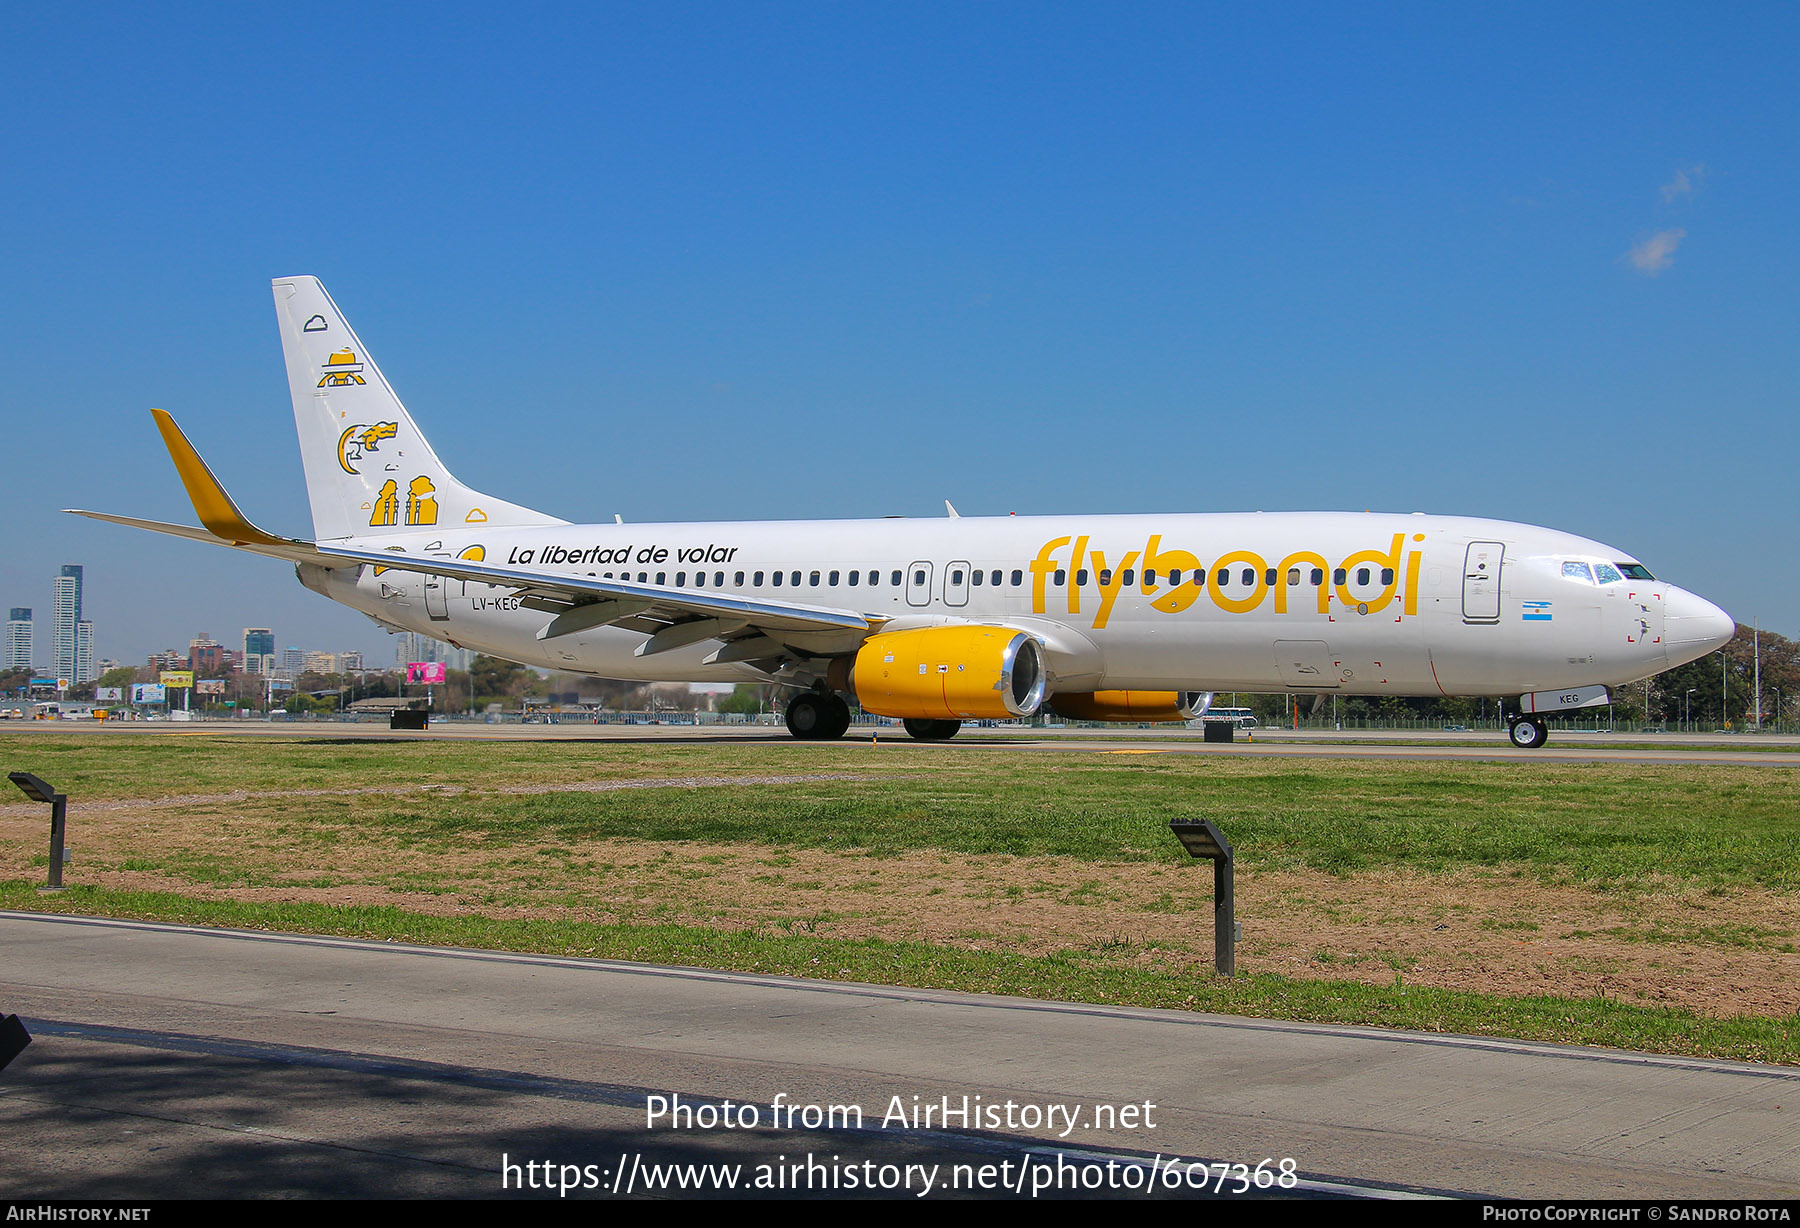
<point>425,671</point>
<point>148,693</point>
<point>177,679</point>
<point>209,686</point>
<point>108,694</point>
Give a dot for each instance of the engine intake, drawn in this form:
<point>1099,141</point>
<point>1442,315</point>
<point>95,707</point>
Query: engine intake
<point>1131,705</point>
<point>958,672</point>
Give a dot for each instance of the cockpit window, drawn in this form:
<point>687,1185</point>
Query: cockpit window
<point>1577,571</point>
<point>1636,571</point>
<point>1606,573</point>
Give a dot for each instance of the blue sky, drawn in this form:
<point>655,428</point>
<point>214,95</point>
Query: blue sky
<point>764,261</point>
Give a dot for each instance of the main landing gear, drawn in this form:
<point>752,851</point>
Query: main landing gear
<point>931,731</point>
<point>816,716</point>
<point>1527,732</point>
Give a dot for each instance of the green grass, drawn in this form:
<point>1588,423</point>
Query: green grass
<point>1603,824</point>
<point>1629,829</point>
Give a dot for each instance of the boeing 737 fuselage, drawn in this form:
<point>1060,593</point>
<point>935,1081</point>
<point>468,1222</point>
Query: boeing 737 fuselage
<point>1127,618</point>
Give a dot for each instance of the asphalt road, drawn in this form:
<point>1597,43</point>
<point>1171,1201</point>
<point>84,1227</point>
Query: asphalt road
<point>173,1062</point>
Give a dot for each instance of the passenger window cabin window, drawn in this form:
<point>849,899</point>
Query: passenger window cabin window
<point>1269,577</point>
<point>1362,575</point>
<point>1318,577</point>
<point>956,577</point>
<point>894,580</point>
<point>1577,571</point>
<point>1129,577</point>
<point>662,577</point>
<point>1387,575</point>
<point>1061,577</point>
<point>775,578</point>
<point>1249,577</point>
<point>918,577</point>
<point>1339,576</point>
<point>975,577</point>
<point>994,579</point>
<point>795,578</point>
<point>1018,577</point>
<point>681,579</point>
<point>718,579</point>
<point>855,578</point>
<point>1150,577</point>
<point>699,579</point>
<point>759,578</point>
<point>1223,579</point>
<point>813,579</point>
<point>1081,578</point>
<point>833,579</point>
<point>643,577</point>
<point>1293,576</point>
<point>1105,577</point>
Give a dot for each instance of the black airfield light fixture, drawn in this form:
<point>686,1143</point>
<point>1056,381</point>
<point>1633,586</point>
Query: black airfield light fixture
<point>1202,840</point>
<point>38,790</point>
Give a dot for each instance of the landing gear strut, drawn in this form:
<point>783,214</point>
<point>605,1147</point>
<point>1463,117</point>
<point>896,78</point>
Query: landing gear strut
<point>816,716</point>
<point>931,731</point>
<point>1527,732</point>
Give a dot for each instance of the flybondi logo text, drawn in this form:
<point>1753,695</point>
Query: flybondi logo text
<point>1237,582</point>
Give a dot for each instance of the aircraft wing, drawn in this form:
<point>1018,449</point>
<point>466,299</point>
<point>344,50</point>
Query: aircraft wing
<point>673,616</point>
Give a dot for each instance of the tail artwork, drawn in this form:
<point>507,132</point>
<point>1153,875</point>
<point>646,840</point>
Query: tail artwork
<point>369,470</point>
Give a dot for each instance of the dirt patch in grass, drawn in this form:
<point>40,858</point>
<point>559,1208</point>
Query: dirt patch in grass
<point>1717,951</point>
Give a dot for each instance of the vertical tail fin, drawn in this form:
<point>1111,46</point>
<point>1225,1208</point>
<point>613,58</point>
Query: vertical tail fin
<point>368,467</point>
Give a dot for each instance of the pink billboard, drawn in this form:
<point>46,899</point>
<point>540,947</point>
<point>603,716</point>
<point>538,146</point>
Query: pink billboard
<point>425,671</point>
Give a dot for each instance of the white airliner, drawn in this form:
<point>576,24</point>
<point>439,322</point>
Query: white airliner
<point>1126,618</point>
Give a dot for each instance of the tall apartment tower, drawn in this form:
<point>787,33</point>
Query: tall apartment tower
<point>259,650</point>
<point>18,638</point>
<point>66,621</point>
<point>84,652</point>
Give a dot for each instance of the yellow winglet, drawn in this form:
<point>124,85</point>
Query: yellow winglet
<point>214,507</point>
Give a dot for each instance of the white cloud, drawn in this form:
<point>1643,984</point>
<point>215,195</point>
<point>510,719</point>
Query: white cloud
<point>1685,182</point>
<point>1657,252</point>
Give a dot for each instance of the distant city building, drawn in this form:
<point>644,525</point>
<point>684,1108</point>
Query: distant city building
<point>206,655</point>
<point>66,623</point>
<point>321,663</point>
<point>103,666</point>
<point>18,638</point>
<point>168,658</point>
<point>412,646</point>
<point>293,662</point>
<point>350,663</point>
<point>259,650</point>
<point>84,652</point>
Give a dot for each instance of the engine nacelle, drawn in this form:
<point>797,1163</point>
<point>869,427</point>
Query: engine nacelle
<point>1131,705</point>
<point>956,672</point>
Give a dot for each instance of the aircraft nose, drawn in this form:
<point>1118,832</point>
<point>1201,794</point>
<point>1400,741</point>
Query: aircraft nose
<point>1694,626</point>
